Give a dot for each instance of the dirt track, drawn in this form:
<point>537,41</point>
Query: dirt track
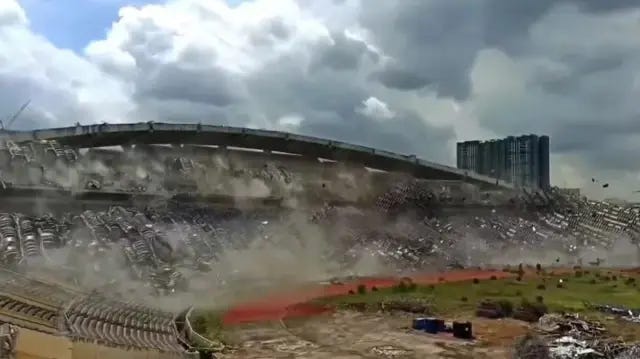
<point>296,303</point>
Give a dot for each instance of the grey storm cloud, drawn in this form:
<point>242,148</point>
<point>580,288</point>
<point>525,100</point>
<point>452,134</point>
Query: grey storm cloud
<point>446,70</point>
<point>406,134</point>
<point>400,79</point>
<point>343,54</point>
<point>435,40</point>
<point>174,82</point>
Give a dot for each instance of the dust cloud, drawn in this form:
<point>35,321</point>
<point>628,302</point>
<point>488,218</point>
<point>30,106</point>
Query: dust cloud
<point>288,253</point>
<point>621,252</point>
<point>288,249</point>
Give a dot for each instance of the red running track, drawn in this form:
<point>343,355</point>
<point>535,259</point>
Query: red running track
<point>297,303</point>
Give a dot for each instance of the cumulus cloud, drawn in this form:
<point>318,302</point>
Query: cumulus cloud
<point>63,86</point>
<point>375,109</point>
<point>12,14</point>
<point>411,76</point>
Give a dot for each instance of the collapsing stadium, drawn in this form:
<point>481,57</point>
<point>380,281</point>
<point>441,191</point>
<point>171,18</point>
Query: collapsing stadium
<point>96,218</point>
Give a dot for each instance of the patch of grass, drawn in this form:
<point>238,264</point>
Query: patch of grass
<point>627,331</point>
<point>208,323</point>
<point>445,297</point>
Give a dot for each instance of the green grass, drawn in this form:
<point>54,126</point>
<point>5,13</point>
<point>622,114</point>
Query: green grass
<point>208,323</point>
<point>447,298</point>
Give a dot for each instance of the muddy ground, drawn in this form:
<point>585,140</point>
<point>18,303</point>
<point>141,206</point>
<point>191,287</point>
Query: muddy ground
<point>349,334</point>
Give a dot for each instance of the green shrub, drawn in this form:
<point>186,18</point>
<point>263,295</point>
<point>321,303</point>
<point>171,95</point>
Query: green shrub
<point>506,307</point>
<point>539,308</point>
<point>362,289</point>
<point>405,285</point>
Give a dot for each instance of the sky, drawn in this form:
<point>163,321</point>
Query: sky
<point>411,76</point>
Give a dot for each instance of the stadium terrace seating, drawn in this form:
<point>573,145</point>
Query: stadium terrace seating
<point>116,323</point>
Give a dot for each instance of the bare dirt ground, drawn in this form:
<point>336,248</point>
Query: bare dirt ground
<point>348,334</point>
<point>288,326</point>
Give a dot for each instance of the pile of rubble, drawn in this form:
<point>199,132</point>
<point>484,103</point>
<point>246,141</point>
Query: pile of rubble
<point>538,220</point>
<point>570,336</point>
<point>621,312</point>
<point>632,352</point>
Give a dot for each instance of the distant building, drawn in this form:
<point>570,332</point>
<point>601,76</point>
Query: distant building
<point>522,161</point>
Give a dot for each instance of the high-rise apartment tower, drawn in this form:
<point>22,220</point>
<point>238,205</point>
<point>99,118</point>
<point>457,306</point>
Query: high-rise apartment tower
<point>522,161</point>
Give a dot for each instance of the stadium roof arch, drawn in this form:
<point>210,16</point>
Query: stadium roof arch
<point>103,135</point>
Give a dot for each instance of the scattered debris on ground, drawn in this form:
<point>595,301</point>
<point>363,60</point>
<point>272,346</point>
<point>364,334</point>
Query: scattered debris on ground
<point>570,336</point>
<point>390,351</point>
<point>630,353</point>
<point>621,312</point>
<point>531,346</point>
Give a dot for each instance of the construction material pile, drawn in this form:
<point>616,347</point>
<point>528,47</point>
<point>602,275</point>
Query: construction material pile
<point>620,312</point>
<point>570,336</point>
<point>632,352</point>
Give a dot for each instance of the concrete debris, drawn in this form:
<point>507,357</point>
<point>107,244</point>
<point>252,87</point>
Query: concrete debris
<point>390,351</point>
<point>630,353</point>
<point>153,242</point>
<point>570,336</point>
<point>554,220</point>
<point>157,240</point>
<point>569,323</point>
<point>531,347</point>
<point>433,234</point>
<point>569,348</point>
<point>624,313</point>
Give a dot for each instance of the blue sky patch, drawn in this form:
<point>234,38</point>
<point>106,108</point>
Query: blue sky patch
<point>72,24</point>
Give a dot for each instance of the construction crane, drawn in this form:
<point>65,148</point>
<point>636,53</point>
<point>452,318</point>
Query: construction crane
<point>15,116</point>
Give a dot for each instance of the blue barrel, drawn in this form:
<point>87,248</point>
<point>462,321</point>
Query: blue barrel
<point>419,323</point>
<point>431,326</point>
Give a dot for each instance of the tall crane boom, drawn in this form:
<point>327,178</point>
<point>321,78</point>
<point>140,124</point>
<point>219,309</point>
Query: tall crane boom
<point>13,118</point>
